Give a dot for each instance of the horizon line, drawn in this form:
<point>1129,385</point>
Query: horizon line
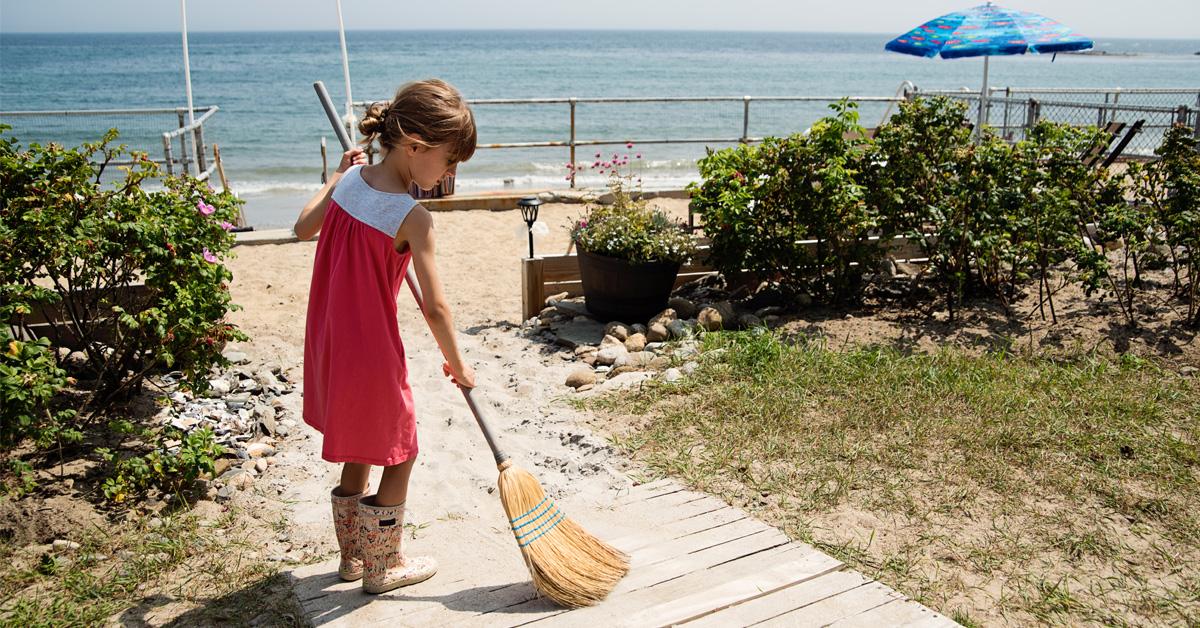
<point>524,29</point>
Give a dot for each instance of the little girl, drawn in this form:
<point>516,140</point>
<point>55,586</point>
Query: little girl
<point>356,390</point>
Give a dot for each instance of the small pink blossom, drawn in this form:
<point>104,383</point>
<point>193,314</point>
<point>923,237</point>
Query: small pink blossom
<point>205,208</point>
<point>639,156</point>
<point>629,145</point>
<point>568,177</point>
<point>226,225</point>
<point>209,257</point>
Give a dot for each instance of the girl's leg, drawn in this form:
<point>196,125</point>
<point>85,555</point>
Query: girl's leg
<point>393,488</point>
<point>354,479</point>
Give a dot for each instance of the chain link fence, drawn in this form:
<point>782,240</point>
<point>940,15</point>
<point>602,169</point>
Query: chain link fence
<point>1013,116</point>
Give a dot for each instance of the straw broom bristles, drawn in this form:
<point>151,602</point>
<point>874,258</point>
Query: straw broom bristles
<point>567,564</point>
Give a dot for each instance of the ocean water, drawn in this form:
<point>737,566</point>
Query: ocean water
<point>270,124</point>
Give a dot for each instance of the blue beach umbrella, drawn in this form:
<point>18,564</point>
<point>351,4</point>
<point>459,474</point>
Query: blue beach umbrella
<point>988,30</point>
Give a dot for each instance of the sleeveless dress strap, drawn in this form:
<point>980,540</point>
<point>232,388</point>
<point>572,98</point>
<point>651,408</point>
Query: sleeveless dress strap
<point>384,211</point>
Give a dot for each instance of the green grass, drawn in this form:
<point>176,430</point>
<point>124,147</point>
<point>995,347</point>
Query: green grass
<point>1029,488</point>
<point>127,565</point>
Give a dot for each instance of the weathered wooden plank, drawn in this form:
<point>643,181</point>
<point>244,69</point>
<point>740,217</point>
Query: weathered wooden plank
<point>670,568</point>
<point>676,510</point>
<point>533,295</point>
<point>639,493</point>
<point>782,601</point>
<point>698,590</point>
<point>838,607</point>
<point>898,612</point>
<point>769,580</point>
<point>679,529</point>
<point>648,550</point>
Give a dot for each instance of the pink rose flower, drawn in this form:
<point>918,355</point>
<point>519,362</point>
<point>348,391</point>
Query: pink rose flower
<point>226,225</point>
<point>205,208</point>
<point>209,257</point>
<point>629,145</point>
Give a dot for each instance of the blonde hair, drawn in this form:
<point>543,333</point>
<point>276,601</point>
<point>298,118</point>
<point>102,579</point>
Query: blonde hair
<point>432,110</point>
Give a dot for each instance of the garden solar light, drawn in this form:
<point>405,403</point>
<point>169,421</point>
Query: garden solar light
<point>529,211</point>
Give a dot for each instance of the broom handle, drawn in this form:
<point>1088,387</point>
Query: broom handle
<point>413,285</point>
<point>500,456</point>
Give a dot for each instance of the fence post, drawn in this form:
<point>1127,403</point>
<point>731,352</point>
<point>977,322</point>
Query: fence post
<point>745,119</point>
<point>533,286</point>
<point>1116,101</point>
<point>167,153</point>
<point>1032,115</point>
<point>201,161</point>
<point>573,101</point>
<point>1100,111</point>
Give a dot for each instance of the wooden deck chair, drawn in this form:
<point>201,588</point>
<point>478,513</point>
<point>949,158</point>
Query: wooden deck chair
<point>1094,154</point>
<point>1134,129</point>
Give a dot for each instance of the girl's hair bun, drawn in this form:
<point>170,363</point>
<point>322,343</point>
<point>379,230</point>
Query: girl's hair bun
<point>373,123</point>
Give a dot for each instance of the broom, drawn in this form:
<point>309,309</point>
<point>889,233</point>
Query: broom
<point>567,565</point>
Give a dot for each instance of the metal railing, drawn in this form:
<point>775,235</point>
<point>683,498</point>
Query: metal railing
<point>192,151</point>
<point>573,141</point>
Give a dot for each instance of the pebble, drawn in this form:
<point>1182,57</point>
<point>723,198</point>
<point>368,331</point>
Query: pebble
<point>608,355</point>
<point>1188,371</point>
<point>154,523</point>
<point>635,342</point>
<point>672,375</point>
<point>657,332</point>
<point>585,388</point>
<point>237,357</point>
<point>664,317</point>
<point>64,545</point>
<point>259,450</point>
<point>678,328</point>
<point>218,387</point>
<point>659,363</point>
<point>617,330</point>
<point>710,319</point>
<point>689,367</point>
<point>581,377</point>
<point>260,465</point>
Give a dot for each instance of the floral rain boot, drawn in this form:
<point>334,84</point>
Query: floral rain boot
<point>345,526</point>
<point>385,567</point>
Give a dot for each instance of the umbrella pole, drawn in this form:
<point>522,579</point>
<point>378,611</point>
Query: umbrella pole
<point>983,101</point>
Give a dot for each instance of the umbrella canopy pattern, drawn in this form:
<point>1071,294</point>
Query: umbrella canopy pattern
<point>988,30</point>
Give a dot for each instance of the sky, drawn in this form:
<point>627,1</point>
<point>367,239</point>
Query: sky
<point>1175,19</point>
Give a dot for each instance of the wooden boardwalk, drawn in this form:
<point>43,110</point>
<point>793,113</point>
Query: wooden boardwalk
<point>696,561</point>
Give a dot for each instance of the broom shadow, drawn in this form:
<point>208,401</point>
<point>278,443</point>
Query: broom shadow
<point>328,598</point>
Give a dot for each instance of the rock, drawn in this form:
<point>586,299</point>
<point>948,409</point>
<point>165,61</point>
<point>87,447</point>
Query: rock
<point>638,328</point>
<point>749,321</point>
<point>225,493</point>
<point>248,466</point>
<point>608,355</point>
<point>625,380</point>
<point>686,351</point>
<point>579,333</point>
<point>260,465</point>
<point>664,317</point>
<point>617,330</point>
<point>678,328</point>
<point>241,480</point>
<point>635,360</point>
<point>635,342</point>
<point>887,267</point>
<point>218,387</point>
<point>555,298</point>
<point>689,367</point>
<point>581,377</point>
<point>659,362</point>
<point>571,307</point>
<point>236,357</point>
<point>63,545</point>
<point>611,341</point>
<point>585,388</point>
<point>154,523</point>
<point>265,415</point>
<point>672,375</point>
<point>237,401</point>
<point>655,346</point>
<point>625,368</point>
<point>259,450</point>
<point>266,377</point>
<point>711,319</point>
<point>526,389</point>
<point>590,359</point>
<point>657,332</point>
<point>1188,371</point>
<point>683,307</point>
<point>584,350</point>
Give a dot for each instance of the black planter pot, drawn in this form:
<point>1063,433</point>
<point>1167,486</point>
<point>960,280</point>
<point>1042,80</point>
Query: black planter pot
<point>618,290</point>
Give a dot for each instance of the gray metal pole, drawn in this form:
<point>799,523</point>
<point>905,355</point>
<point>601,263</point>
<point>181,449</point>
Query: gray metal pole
<point>167,154</point>
<point>572,142</point>
<point>745,119</point>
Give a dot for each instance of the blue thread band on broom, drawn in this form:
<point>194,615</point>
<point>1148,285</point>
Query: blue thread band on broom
<point>567,565</point>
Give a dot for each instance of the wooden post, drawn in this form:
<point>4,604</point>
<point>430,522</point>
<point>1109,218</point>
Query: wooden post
<point>220,167</point>
<point>533,297</point>
<point>167,157</point>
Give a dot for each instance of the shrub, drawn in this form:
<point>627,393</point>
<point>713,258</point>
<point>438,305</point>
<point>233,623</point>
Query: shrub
<point>69,239</point>
<point>1169,190</point>
<point>175,462</point>
<point>759,203</point>
<point>29,381</point>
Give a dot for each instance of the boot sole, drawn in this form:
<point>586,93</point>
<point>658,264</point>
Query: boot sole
<point>396,585</point>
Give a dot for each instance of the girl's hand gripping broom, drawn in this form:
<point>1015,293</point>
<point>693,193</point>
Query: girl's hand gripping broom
<point>567,564</point>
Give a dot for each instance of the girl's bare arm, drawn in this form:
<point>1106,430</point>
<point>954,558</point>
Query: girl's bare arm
<point>313,215</point>
<point>417,234</point>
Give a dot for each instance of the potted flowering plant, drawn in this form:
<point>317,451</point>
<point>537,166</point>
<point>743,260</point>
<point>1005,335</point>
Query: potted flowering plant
<point>629,254</point>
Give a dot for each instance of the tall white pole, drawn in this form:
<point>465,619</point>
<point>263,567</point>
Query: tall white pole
<point>346,73</point>
<point>187,82</point>
<point>983,100</point>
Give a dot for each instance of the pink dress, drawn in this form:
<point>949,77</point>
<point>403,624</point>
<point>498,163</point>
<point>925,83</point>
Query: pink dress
<point>356,389</point>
